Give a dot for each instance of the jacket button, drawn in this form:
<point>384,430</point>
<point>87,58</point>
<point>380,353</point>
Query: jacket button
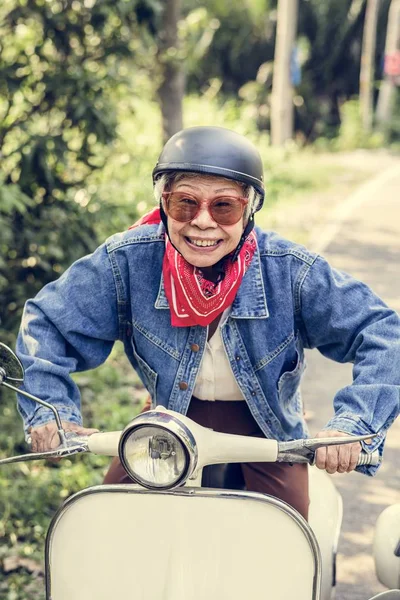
<point>183,385</point>
<point>237,357</point>
<point>195,347</point>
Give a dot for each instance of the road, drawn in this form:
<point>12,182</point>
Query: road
<point>364,240</point>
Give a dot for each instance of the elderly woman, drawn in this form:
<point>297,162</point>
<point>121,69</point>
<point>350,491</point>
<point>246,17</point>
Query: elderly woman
<point>214,315</point>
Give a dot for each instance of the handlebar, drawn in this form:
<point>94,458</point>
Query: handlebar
<point>369,459</point>
<point>304,451</point>
<point>296,451</point>
<point>97,443</point>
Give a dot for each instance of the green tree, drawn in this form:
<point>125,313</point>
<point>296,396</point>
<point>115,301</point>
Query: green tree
<point>61,64</point>
<point>239,59</point>
<point>241,39</point>
<point>172,77</point>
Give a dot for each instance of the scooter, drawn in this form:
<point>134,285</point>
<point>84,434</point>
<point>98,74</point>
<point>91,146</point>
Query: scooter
<point>168,538</point>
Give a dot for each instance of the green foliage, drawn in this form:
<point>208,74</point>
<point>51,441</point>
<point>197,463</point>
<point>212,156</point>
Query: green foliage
<point>242,39</point>
<point>331,72</point>
<point>60,64</point>
<point>122,189</point>
<point>352,134</point>
<point>330,75</point>
<point>37,243</point>
<point>392,129</point>
<point>239,57</point>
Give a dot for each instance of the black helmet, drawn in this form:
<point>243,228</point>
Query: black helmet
<point>213,151</point>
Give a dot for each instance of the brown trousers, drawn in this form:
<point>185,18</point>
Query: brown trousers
<point>286,482</point>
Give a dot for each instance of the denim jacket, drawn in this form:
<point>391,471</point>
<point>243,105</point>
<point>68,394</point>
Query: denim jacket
<point>289,299</point>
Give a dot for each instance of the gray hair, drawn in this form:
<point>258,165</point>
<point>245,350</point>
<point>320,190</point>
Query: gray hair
<point>164,183</point>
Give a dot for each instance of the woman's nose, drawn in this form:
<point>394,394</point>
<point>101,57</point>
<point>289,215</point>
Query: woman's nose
<point>203,219</point>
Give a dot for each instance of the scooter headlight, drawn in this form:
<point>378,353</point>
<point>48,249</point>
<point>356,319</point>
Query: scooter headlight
<point>158,451</point>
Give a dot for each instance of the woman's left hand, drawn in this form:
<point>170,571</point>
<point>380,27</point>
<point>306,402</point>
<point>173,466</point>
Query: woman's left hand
<point>337,459</point>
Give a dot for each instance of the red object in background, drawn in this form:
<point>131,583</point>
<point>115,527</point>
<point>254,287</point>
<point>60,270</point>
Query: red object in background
<point>392,64</point>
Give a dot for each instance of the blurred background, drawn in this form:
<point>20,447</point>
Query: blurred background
<point>90,90</point>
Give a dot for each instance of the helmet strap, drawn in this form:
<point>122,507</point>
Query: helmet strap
<point>164,220</point>
<point>247,230</point>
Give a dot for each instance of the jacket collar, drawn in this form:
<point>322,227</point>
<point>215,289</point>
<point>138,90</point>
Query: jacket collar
<point>250,301</point>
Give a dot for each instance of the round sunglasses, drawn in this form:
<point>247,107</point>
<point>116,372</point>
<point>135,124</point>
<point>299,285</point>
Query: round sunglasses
<point>224,210</point>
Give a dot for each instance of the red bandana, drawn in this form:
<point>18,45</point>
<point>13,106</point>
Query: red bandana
<point>194,300</point>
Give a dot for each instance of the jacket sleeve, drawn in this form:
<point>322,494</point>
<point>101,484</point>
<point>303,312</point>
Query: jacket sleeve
<point>347,322</point>
<point>70,326</point>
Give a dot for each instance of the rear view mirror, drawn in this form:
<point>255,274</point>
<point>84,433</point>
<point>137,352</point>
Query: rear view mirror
<point>12,376</point>
<point>11,370</point>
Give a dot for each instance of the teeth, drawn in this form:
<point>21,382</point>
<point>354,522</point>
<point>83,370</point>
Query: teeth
<point>203,242</point>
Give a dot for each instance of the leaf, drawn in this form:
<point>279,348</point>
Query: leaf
<point>12,199</point>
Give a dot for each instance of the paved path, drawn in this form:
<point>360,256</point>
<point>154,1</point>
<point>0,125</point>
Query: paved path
<point>364,240</point>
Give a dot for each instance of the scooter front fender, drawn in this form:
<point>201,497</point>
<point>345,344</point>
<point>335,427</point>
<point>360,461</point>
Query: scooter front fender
<point>110,541</point>
<point>386,547</point>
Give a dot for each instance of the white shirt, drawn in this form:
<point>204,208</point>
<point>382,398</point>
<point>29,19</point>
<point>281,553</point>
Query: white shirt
<point>215,380</point>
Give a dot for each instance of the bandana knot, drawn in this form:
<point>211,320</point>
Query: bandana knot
<point>193,299</point>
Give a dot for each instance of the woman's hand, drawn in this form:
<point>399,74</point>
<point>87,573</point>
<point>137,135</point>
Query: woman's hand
<point>46,438</point>
<point>337,459</point>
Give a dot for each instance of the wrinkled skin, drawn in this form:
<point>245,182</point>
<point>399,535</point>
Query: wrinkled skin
<point>46,438</point>
<point>203,227</point>
<point>337,459</point>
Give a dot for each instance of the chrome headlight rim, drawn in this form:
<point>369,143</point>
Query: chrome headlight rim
<point>175,427</point>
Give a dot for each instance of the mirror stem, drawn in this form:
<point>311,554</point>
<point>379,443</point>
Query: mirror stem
<point>53,409</point>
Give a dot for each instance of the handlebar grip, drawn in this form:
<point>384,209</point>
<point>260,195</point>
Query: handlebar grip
<point>369,459</point>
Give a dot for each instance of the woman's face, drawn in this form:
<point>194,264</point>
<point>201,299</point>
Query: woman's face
<point>187,237</point>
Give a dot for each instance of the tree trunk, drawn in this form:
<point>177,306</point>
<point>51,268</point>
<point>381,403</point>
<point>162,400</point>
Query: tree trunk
<point>282,117</point>
<point>172,86</point>
<point>387,89</point>
<point>368,63</point>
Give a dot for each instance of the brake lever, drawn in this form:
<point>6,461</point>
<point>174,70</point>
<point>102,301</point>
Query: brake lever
<point>303,451</point>
<point>73,444</point>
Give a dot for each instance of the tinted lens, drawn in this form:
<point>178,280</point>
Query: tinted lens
<point>182,208</point>
<point>226,210</point>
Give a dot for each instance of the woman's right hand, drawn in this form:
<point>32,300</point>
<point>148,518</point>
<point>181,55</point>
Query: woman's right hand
<point>45,437</point>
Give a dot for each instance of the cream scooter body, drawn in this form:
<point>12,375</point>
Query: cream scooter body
<point>387,546</point>
<point>121,542</point>
<point>193,542</point>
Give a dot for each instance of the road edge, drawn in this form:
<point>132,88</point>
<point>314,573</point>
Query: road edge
<point>320,240</point>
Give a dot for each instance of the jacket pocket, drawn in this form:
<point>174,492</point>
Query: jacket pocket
<point>289,381</point>
<point>146,374</point>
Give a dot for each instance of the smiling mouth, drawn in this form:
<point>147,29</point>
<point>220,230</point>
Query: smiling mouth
<point>203,243</point>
